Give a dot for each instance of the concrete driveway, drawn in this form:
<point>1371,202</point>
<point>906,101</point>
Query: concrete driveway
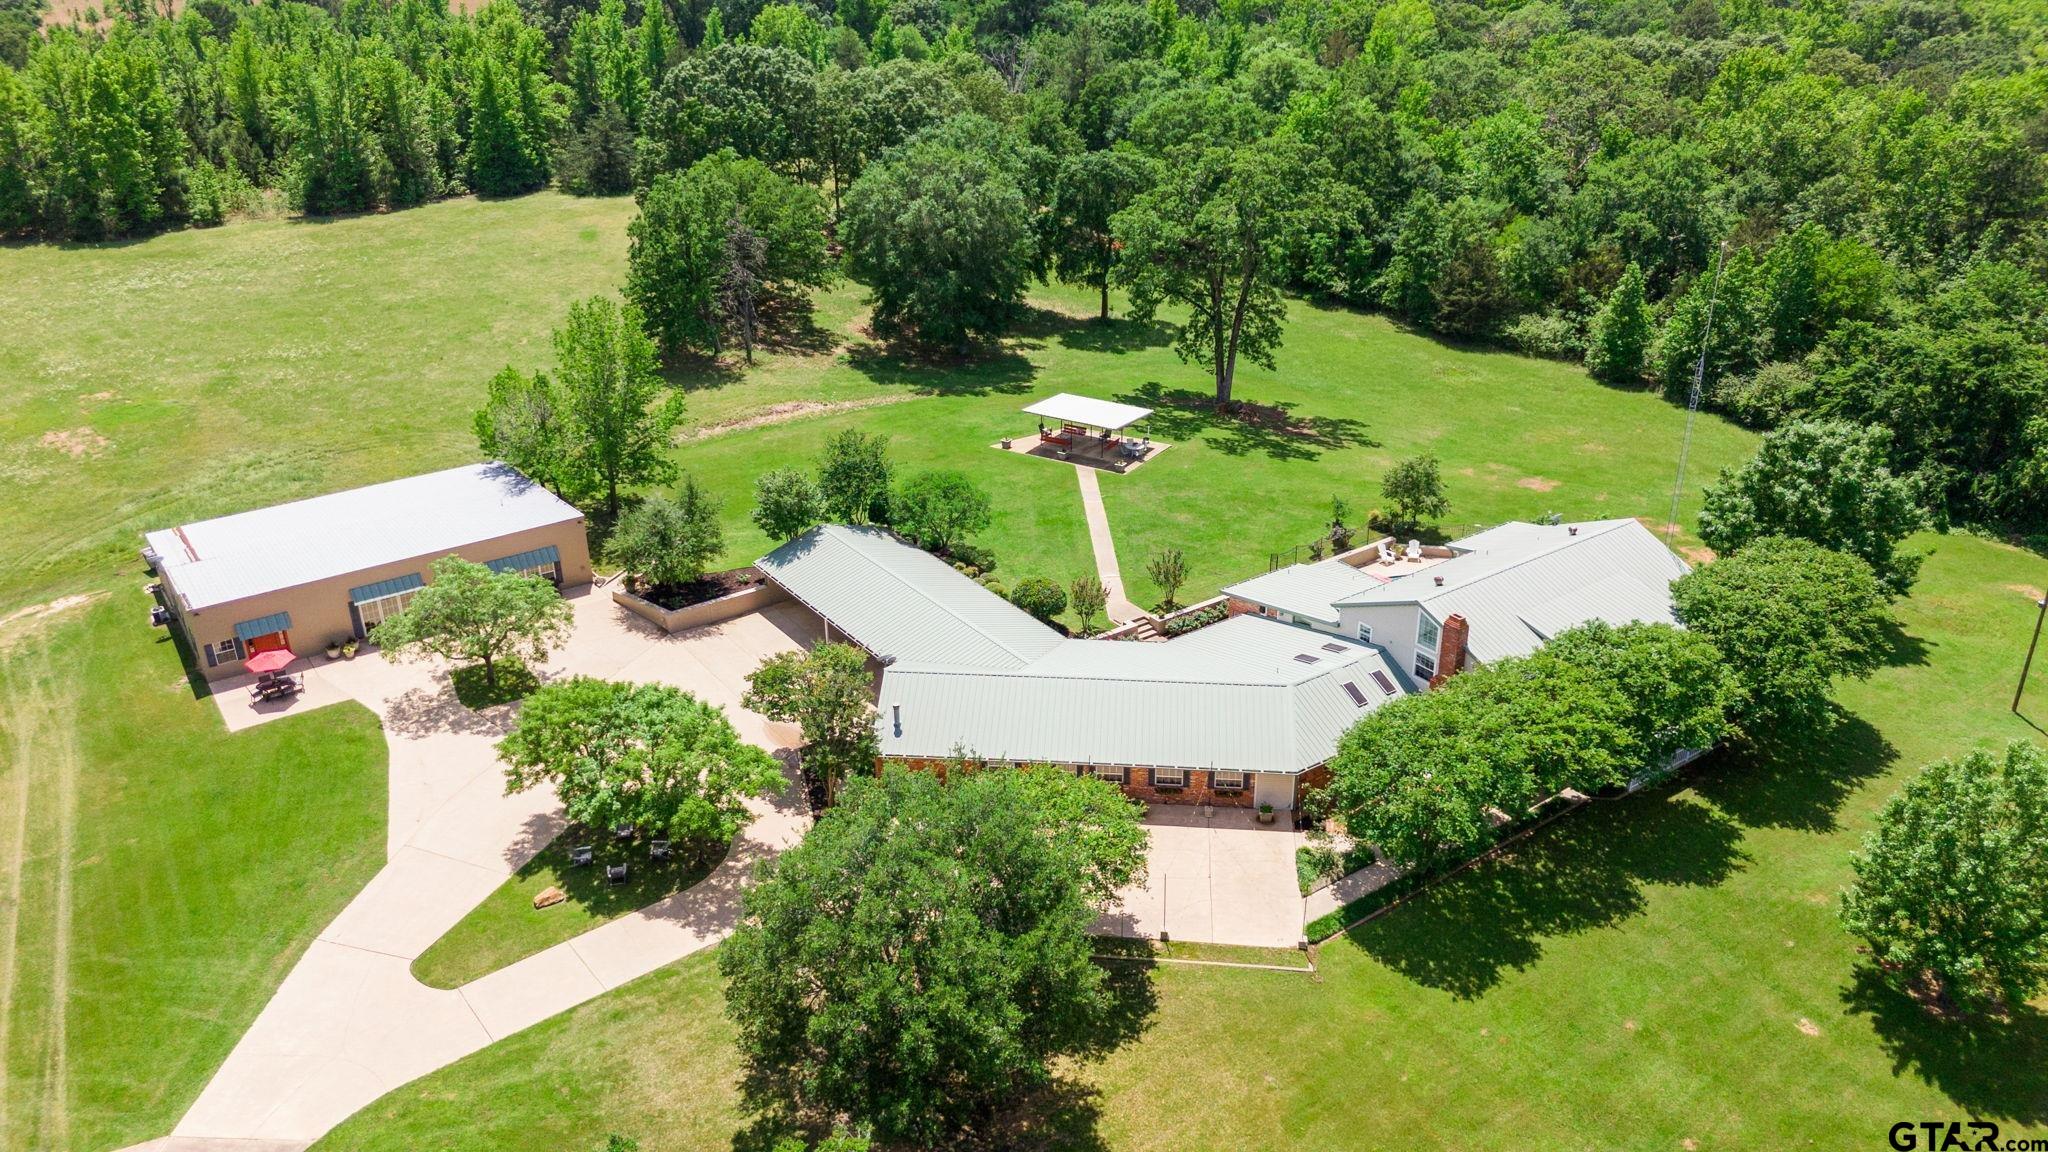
<point>349,1022</point>
<point>1222,879</point>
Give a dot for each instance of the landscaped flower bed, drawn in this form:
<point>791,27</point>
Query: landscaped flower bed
<point>710,586</point>
<point>1181,625</point>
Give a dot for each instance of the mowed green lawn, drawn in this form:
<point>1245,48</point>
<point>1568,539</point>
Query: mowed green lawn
<point>1662,972</point>
<point>158,876</point>
<point>205,372</point>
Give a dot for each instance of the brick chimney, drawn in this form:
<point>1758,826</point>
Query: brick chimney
<point>1450,649</point>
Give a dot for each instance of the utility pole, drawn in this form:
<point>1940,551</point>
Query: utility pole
<point>2029,665</point>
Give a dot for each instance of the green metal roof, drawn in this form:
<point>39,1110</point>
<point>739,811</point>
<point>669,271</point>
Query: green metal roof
<point>382,588</point>
<point>534,559</point>
<point>248,630</point>
<point>903,603</point>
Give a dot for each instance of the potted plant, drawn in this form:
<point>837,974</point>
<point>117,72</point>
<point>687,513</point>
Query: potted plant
<point>348,649</point>
<point>1006,443</point>
<point>1265,813</point>
<point>334,649</point>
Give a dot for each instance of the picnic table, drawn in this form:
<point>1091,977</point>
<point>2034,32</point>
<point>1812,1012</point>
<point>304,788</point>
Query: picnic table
<point>275,687</point>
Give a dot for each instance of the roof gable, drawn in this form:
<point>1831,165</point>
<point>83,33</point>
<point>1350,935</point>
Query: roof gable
<point>264,550</point>
<point>903,603</point>
<point>1236,695</point>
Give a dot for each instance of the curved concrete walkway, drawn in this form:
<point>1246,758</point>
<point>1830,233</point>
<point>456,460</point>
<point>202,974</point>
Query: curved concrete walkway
<point>1119,609</point>
<point>350,1023</point>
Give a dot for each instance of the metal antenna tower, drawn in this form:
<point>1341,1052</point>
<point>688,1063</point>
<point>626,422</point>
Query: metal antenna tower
<point>1692,400</point>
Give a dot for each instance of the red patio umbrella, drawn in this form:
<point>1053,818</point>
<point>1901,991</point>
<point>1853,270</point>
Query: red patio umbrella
<point>275,660</point>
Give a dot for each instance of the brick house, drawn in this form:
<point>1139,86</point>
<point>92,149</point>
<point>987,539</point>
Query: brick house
<point>1238,713</point>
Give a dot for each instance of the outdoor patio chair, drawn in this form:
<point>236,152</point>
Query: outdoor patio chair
<point>1386,554</point>
<point>658,850</point>
<point>615,873</point>
<point>1414,550</point>
<point>581,856</point>
<point>624,833</point>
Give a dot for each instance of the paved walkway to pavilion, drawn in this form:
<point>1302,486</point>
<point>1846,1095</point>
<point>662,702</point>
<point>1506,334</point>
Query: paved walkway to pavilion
<point>1119,609</point>
<point>350,1023</point>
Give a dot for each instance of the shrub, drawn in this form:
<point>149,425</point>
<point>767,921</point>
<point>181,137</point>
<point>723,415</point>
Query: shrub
<point>787,504</point>
<point>1041,597</point>
<point>1554,334</point>
<point>1766,397</point>
<point>1179,625</point>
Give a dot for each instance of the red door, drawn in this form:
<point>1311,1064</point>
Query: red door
<point>266,642</point>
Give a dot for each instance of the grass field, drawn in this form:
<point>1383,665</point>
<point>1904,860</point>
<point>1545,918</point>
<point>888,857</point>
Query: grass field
<point>1660,972</point>
<point>204,372</point>
<point>160,875</point>
<point>506,927</point>
<point>170,873</point>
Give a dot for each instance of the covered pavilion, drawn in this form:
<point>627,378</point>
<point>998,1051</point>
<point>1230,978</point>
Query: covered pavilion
<point>1085,430</point>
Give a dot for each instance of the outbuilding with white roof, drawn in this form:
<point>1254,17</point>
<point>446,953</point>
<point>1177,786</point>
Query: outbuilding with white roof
<point>311,572</point>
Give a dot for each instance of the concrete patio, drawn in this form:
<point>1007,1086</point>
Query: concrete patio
<point>350,1022</point>
<point>1222,879</point>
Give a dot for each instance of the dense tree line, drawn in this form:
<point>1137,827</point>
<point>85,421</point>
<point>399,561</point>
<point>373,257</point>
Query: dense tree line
<point>1558,175</point>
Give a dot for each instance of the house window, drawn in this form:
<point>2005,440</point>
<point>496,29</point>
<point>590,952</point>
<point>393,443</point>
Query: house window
<point>545,562</point>
<point>1426,634</point>
<point>1110,772</point>
<point>1425,666</point>
<point>226,652</point>
<point>1228,781</point>
<point>1364,633</point>
<point>375,612</point>
<point>1169,778</point>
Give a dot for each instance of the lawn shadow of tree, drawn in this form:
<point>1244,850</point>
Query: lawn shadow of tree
<point>699,372</point>
<point>1183,415</point>
<point>1796,779</point>
<point>991,369</point>
<point>1995,1069</point>
<point>1587,871</point>
<point>1902,649</point>
<point>789,325</point>
<point>1065,1114</point>
<point>1114,336</point>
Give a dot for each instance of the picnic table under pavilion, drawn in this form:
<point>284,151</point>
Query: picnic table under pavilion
<point>1087,430</point>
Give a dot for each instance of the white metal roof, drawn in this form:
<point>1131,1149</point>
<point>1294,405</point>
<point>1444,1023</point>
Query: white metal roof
<point>251,553</point>
<point>1233,696</point>
<point>1105,414</point>
<point>903,603</point>
<point>1310,590</point>
<point>1518,584</point>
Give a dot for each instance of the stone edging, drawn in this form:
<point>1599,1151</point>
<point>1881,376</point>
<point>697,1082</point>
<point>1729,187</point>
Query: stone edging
<point>727,607</point>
